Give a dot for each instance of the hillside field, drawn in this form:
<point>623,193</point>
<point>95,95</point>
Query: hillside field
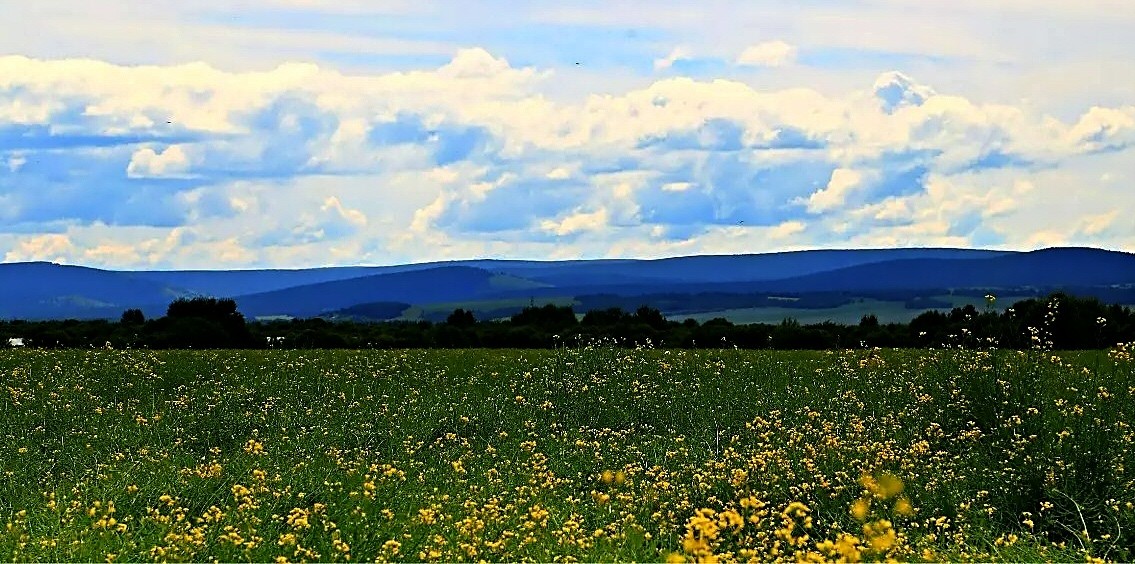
<point>588,454</point>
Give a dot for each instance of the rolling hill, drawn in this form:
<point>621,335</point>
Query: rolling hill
<point>696,285</point>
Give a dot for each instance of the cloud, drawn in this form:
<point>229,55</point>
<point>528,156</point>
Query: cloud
<point>302,162</point>
<point>351,216</point>
<point>15,162</point>
<point>558,173</point>
<point>1102,129</point>
<point>48,247</point>
<point>576,222</point>
<point>786,230</point>
<point>1098,224</point>
<point>835,194</point>
<point>148,162</point>
<point>677,54</point>
<point>768,54</point>
<point>895,89</point>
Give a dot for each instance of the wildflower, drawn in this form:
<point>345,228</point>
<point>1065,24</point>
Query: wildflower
<point>730,519</point>
<point>903,507</point>
<point>880,535</point>
<point>254,447</point>
<point>298,518</point>
<point>392,547</point>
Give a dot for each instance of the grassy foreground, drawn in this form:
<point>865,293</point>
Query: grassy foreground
<point>585,454</point>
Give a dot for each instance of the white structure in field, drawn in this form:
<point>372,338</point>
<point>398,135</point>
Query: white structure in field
<point>16,342</point>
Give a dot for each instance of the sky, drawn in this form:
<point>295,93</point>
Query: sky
<point>226,134</point>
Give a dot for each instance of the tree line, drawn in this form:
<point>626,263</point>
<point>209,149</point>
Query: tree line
<point>1059,321</point>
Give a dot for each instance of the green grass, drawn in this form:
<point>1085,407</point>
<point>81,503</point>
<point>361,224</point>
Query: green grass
<point>588,454</point>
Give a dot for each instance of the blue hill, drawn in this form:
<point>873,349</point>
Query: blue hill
<point>46,290</point>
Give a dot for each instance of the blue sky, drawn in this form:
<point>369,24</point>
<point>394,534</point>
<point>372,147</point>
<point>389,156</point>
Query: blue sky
<point>294,133</point>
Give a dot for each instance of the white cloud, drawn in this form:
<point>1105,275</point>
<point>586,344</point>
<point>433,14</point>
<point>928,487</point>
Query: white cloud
<point>352,216</point>
<point>16,162</point>
<point>558,173</point>
<point>895,89</point>
<point>576,222</point>
<point>52,247</point>
<point>843,181</point>
<point>1104,128</point>
<point>148,162</point>
<point>786,230</point>
<point>676,186</point>
<point>471,157</point>
<point>679,53</point>
<point>1097,224</point>
<point>768,54</point>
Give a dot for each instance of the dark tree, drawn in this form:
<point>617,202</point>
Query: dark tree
<point>132,317</point>
<point>461,318</point>
<point>203,323</point>
<point>549,316</point>
<point>604,317</point>
<point>208,308</point>
<point>650,317</point>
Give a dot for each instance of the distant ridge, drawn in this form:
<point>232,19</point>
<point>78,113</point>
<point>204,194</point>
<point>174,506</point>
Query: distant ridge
<point>41,290</point>
<point>441,284</point>
<point>1053,267</point>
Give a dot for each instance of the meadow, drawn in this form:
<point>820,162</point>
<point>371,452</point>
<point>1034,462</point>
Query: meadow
<point>579,454</point>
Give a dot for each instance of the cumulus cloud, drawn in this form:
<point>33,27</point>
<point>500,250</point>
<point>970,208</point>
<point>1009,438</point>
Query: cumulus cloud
<point>895,89</point>
<point>1104,129</point>
<point>351,216</point>
<point>470,156</point>
<point>679,53</point>
<point>148,162</point>
<point>835,194</point>
<point>53,247</point>
<point>768,54</point>
<point>558,173</point>
<point>576,222</point>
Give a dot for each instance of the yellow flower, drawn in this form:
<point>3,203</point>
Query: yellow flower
<point>880,535</point>
<point>731,519</point>
<point>391,546</point>
<point>884,541</point>
<point>860,508</point>
<point>675,558</point>
<point>254,447</point>
<point>694,545</point>
<point>607,477</point>
<point>889,486</point>
<point>903,507</point>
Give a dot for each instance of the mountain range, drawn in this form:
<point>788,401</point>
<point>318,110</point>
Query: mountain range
<point>900,283</point>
